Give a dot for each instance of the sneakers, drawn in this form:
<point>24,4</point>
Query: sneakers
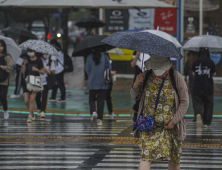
<point>60,100</point>
<point>206,126</point>
<point>29,120</point>
<point>111,115</point>
<point>6,114</point>
<point>42,115</point>
<point>33,116</point>
<point>52,100</point>
<point>94,117</point>
<point>14,96</point>
<point>39,113</point>
<point>99,122</point>
<point>199,123</point>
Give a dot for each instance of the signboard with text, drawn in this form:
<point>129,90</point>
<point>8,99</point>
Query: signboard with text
<point>166,20</point>
<point>116,20</point>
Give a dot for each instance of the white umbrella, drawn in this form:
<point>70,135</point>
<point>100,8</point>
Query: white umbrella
<point>214,43</point>
<point>117,4</point>
<point>165,36</point>
<point>39,46</point>
<point>141,59</point>
<point>12,48</point>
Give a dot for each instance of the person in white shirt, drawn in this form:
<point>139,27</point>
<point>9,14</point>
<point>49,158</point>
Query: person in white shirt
<point>59,72</point>
<point>42,97</point>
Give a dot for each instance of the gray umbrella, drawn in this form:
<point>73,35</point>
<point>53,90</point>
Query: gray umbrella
<point>214,43</point>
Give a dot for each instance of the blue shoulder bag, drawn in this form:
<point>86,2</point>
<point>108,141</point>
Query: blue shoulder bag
<point>146,123</point>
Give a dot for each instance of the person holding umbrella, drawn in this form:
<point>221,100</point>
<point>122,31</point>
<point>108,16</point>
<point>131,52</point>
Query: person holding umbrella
<point>33,66</point>
<point>203,89</point>
<point>163,96</point>
<point>96,64</point>
<point>5,69</point>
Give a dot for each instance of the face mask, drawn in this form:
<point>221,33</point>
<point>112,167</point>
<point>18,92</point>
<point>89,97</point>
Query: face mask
<point>31,54</point>
<point>159,72</point>
<point>1,49</point>
<point>46,55</point>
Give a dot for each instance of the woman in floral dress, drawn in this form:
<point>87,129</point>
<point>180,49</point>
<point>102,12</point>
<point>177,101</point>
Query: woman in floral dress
<point>164,142</point>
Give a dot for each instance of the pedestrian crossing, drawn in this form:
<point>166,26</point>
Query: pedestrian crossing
<point>75,143</point>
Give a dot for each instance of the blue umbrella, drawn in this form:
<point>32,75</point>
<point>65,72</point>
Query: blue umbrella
<point>144,42</point>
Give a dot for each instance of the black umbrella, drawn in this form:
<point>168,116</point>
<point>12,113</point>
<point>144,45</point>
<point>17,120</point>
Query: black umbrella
<point>85,46</point>
<point>18,32</point>
<point>90,22</point>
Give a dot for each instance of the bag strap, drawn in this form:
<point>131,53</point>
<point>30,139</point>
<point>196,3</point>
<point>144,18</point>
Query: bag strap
<point>61,63</point>
<point>158,96</point>
<point>172,78</point>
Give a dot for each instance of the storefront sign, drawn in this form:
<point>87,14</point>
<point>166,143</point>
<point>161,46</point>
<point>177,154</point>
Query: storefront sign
<point>116,20</point>
<point>166,20</point>
<point>208,5</point>
<point>142,19</point>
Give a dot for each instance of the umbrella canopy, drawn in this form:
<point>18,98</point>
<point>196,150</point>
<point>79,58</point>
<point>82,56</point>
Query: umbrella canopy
<point>165,36</point>
<point>116,4</point>
<point>90,22</point>
<point>12,48</point>
<point>214,43</point>
<point>39,46</point>
<point>15,31</point>
<point>144,42</point>
<point>85,46</point>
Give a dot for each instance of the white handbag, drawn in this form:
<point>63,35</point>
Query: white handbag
<point>34,83</point>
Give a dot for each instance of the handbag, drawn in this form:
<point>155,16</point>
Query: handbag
<point>146,123</point>
<point>34,83</point>
<point>107,74</point>
<point>52,81</point>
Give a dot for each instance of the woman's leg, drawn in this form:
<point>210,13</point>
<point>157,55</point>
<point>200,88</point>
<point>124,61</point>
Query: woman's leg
<point>32,103</point>
<point>109,100</point>
<point>101,97</point>
<point>172,166</point>
<point>144,165</point>
<point>26,99</point>
<point>92,101</point>
<point>44,98</point>
<point>38,100</point>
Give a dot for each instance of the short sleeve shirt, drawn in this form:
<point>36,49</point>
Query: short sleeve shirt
<point>203,80</point>
<point>36,63</point>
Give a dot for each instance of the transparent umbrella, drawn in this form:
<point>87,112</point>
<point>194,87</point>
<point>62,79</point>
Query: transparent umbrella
<point>214,43</point>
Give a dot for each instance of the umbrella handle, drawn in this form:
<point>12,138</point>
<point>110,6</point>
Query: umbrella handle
<point>142,64</point>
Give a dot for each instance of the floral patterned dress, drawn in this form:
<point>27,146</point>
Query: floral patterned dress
<point>160,144</point>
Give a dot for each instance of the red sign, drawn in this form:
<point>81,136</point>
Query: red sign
<point>166,20</point>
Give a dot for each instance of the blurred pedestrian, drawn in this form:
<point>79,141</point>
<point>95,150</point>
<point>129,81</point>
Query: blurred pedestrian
<point>96,64</point>
<point>191,56</point>
<point>203,90</point>
<point>5,69</point>
<point>137,71</point>
<point>109,100</point>
<point>59,72</point>
<point>32,65</point>
<point>163,95</point>
<point>42,97</point>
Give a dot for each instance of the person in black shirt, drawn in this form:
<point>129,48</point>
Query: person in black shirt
<point>203,69</point>
<point>32,65</point>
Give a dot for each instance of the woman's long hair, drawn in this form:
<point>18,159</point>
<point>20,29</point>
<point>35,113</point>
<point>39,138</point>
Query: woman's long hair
<point>96,56</point>
<point>2,42</point>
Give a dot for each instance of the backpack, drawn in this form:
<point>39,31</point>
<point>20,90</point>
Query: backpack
<point>172,78</point>
<point>3,74</point>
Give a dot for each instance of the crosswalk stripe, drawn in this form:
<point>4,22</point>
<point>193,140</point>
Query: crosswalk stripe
<point>39,167</point>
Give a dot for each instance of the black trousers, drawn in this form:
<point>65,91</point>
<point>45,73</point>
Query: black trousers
<point>204,105</point>
<point>99,96</point>
<point>109,100</point>
<point>41,99</point>
<point>60,78</point>
<point>18,81</point>
<point>3,96</point>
